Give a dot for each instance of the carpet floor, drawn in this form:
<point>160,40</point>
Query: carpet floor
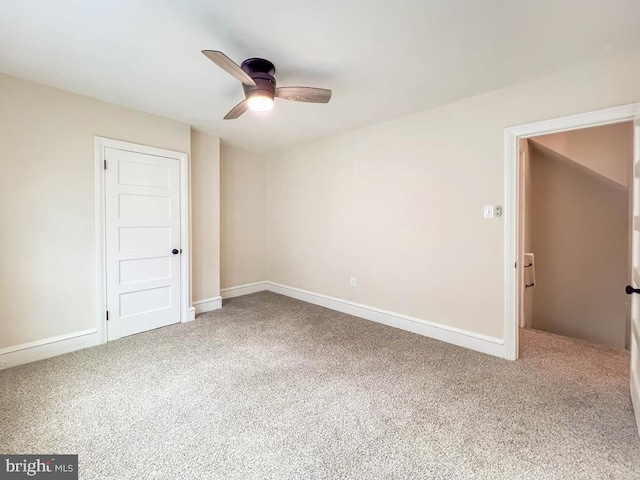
<point>273,388</point>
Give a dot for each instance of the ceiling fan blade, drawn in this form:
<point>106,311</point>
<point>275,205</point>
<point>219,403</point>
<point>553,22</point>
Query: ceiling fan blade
<point>236,111</point>
<point>304,94</point>
<point>228,66</point>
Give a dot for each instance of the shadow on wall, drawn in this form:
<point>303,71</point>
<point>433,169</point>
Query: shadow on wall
<point>579,224</point>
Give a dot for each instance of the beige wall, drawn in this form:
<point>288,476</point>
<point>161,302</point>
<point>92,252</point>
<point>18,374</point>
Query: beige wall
<point>47,273</point>
<point>580,230</point>
<point>205,215</point>
<point>242,216</point>
<point>399,205</point>
<point>605,149</point>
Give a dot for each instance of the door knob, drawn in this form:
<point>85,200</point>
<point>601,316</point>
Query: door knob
<point>631,290</point>
<point>175,251</point>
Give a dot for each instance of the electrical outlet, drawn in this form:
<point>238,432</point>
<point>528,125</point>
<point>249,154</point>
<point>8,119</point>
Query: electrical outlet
<point>353,282</point>
<point>3,363</point>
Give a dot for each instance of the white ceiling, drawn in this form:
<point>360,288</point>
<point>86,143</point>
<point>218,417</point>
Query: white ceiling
<point>382,59</point>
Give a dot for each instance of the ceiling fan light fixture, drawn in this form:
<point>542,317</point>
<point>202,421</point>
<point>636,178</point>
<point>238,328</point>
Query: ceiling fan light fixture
<point>260,102</point>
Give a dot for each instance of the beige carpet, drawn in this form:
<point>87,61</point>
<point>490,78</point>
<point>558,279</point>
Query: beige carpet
<point>270,387</point>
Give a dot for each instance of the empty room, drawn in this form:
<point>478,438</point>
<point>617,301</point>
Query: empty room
<point>287,240</point>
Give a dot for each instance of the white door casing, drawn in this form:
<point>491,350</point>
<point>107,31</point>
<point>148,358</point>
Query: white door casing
<point>635,273</point>
<point>142,215</point>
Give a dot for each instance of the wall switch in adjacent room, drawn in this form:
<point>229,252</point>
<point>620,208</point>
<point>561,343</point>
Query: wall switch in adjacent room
<point>489,211</point>
<point>353,282</point>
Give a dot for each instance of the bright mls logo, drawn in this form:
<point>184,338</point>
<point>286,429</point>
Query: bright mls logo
<point>51,467</point>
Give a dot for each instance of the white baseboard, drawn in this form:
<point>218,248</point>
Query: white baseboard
<point>208,304</point>
<point>635,400</point>
<point>192,314</point>
<point>463,338</point>
<point>54,346</point>
<point>47,348</point>
<point>246,289</point>
<point>456,336</point>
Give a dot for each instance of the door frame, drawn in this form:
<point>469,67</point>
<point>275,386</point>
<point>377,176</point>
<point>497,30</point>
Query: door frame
<point>100,144</point>
<point>512,234</point>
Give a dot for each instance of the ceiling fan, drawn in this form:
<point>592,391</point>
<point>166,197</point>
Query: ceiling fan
<point>259,84</point>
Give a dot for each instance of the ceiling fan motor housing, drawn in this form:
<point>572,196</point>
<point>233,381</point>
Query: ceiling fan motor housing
<point>261,71</point>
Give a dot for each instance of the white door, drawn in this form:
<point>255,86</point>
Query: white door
<point>635,259</point>
<point>142,241</point>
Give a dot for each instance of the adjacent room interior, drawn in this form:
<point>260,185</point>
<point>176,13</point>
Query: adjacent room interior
<point>249,240</point>
<point>576,233</point>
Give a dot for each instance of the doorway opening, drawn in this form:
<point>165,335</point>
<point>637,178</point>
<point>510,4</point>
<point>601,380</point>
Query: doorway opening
<point>515,235</point>
<point>574,227</point>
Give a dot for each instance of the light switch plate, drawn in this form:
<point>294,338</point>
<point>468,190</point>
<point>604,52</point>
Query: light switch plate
<point>488,211</point>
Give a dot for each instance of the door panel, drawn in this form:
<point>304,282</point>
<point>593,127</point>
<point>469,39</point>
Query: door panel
<point>142,230</point>
<point>144,269</point>
<point>147,206</point>
<point>143,174</point>
<point>143,301</point>
<point>144,238</point>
